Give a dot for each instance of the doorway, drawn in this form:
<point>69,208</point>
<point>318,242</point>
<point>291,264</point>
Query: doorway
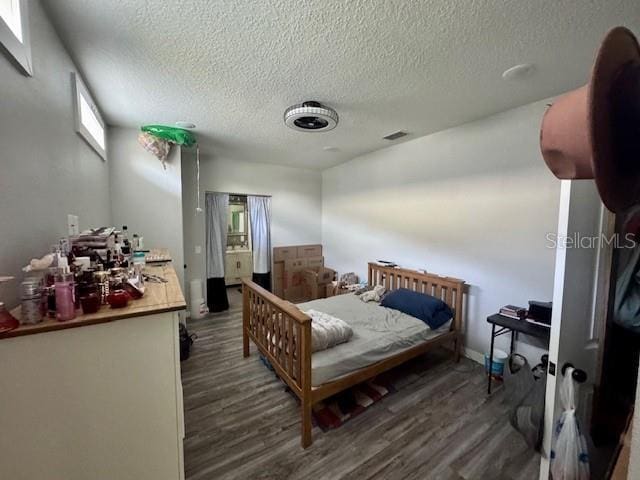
<point>238,230</point>
<point>585,332</point>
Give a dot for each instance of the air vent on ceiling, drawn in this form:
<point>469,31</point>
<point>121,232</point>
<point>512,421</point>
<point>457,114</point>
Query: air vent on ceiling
<point>395,135</point>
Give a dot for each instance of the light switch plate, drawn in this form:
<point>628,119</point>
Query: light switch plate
<point>198,249</point>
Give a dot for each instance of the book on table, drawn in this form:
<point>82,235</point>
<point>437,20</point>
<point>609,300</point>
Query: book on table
<point>513,311</point>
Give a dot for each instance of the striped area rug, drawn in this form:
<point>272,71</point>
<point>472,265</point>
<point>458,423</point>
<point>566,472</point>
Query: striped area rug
<point>335,411</point>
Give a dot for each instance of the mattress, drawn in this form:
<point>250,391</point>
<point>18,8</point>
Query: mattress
<point>378,333</point>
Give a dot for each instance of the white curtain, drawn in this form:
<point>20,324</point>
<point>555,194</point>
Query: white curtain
<point>260,218</point>
<point>217,211</point>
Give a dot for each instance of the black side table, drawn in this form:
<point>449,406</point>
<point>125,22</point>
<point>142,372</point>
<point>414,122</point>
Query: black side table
<point>515,326</point>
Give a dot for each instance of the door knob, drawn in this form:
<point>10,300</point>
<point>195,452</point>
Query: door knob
<point>578,375</point>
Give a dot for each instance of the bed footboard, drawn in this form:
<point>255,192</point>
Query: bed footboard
<point>282,334</point>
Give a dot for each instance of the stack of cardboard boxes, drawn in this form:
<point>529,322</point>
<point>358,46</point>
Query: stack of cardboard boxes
<point>299,273</point>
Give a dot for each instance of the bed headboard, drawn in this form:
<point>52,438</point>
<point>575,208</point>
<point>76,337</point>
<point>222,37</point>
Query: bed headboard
<point>450,290</point>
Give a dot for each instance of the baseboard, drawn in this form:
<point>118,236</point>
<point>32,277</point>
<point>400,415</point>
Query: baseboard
<point>473,355</point>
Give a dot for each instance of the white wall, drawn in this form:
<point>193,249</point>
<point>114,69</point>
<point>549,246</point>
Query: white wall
<point>473,202</point>
<point>48,171</point>
<point>144,196</point>
<point>296,201</point>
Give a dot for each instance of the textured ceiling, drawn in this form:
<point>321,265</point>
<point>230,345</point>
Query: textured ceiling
<point>232,66</point>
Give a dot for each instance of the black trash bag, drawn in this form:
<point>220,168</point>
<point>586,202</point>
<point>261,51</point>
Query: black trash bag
<point>526,399</point>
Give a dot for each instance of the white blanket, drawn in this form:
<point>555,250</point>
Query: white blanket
<point>327,331</point>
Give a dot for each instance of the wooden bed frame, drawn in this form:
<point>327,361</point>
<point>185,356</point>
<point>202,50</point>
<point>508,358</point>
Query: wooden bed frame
<point>275,325</point>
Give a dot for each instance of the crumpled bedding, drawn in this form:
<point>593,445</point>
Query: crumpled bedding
<point>378,333</point>
<point>327,331</point>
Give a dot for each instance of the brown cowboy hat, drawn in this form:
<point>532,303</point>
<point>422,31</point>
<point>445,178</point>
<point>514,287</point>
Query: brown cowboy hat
<point>594,131</point>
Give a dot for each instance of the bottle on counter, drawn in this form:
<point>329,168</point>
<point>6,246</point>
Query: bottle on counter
<point>125,235</point>
<point>31,297</point>
<point>65,293</point>
<point>139,262</point>
<point>50,291</point>
<point>118,257</point>
<point>101,279</point>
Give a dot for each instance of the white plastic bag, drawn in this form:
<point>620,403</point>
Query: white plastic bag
<point>569,456</point>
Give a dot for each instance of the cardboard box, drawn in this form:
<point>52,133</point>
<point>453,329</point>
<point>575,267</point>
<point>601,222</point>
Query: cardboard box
<point>293,272</point>
<point>278,279</point>
<point>320,276</point>
<point>313,291</point>
<point>332,290</point>
<point>315,262</point>
<point>315,280</point>
<point>280,254</point>
<point>294,294</point>
<point>306,251</point>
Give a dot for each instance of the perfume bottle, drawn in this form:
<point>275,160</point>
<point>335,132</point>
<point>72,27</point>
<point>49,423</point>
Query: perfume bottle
<point>65,294</point>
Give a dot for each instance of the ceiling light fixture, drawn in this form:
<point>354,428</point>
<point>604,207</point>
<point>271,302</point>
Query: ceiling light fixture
<point>310,116</point>
<point>519,71</point>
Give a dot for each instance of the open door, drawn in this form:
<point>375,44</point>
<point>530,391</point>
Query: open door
<point>579,293</point>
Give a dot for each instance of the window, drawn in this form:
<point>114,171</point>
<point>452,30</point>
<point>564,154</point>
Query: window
<point>89,123</point>
<point>14,33</point>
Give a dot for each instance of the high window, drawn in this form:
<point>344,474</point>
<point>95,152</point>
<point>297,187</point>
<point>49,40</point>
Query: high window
<point>89,123</point>
<point>14,33</point>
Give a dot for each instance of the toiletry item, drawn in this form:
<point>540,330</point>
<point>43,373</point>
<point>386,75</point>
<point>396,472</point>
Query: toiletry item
<point>118,299</point>
<point>139,262</point>
<point>102,283</point>
<point>7,321</point>
<point>49,291</point>
<point>141,243</point>
<point>31,298</point>
<point>65,294</point>
<point>64,246</point>
<point>118,257</point>
<point>90,303</point>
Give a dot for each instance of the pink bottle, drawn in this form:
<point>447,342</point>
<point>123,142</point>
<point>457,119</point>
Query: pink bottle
<point>65,295</point>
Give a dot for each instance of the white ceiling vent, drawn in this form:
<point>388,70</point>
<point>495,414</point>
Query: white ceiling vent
<point>395,135</point>
<point>310,117</point>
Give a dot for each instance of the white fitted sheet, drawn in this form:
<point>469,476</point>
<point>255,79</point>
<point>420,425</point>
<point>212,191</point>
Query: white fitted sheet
<point>378,333</point>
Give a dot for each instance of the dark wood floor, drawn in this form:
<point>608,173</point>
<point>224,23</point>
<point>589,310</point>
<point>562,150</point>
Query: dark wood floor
<point>440,424</point>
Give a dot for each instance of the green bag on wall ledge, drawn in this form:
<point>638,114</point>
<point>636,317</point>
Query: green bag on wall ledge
<point>176,135</point>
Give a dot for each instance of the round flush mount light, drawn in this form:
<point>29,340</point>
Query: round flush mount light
<point>310,117</point>
<point>519,71</point>
<point>187,125</point>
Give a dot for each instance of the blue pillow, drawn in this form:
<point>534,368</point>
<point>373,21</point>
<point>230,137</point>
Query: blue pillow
<point>431,310</point>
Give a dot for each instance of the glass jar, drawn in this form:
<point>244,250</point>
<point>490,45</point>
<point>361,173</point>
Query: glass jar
<point>31,297</point>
